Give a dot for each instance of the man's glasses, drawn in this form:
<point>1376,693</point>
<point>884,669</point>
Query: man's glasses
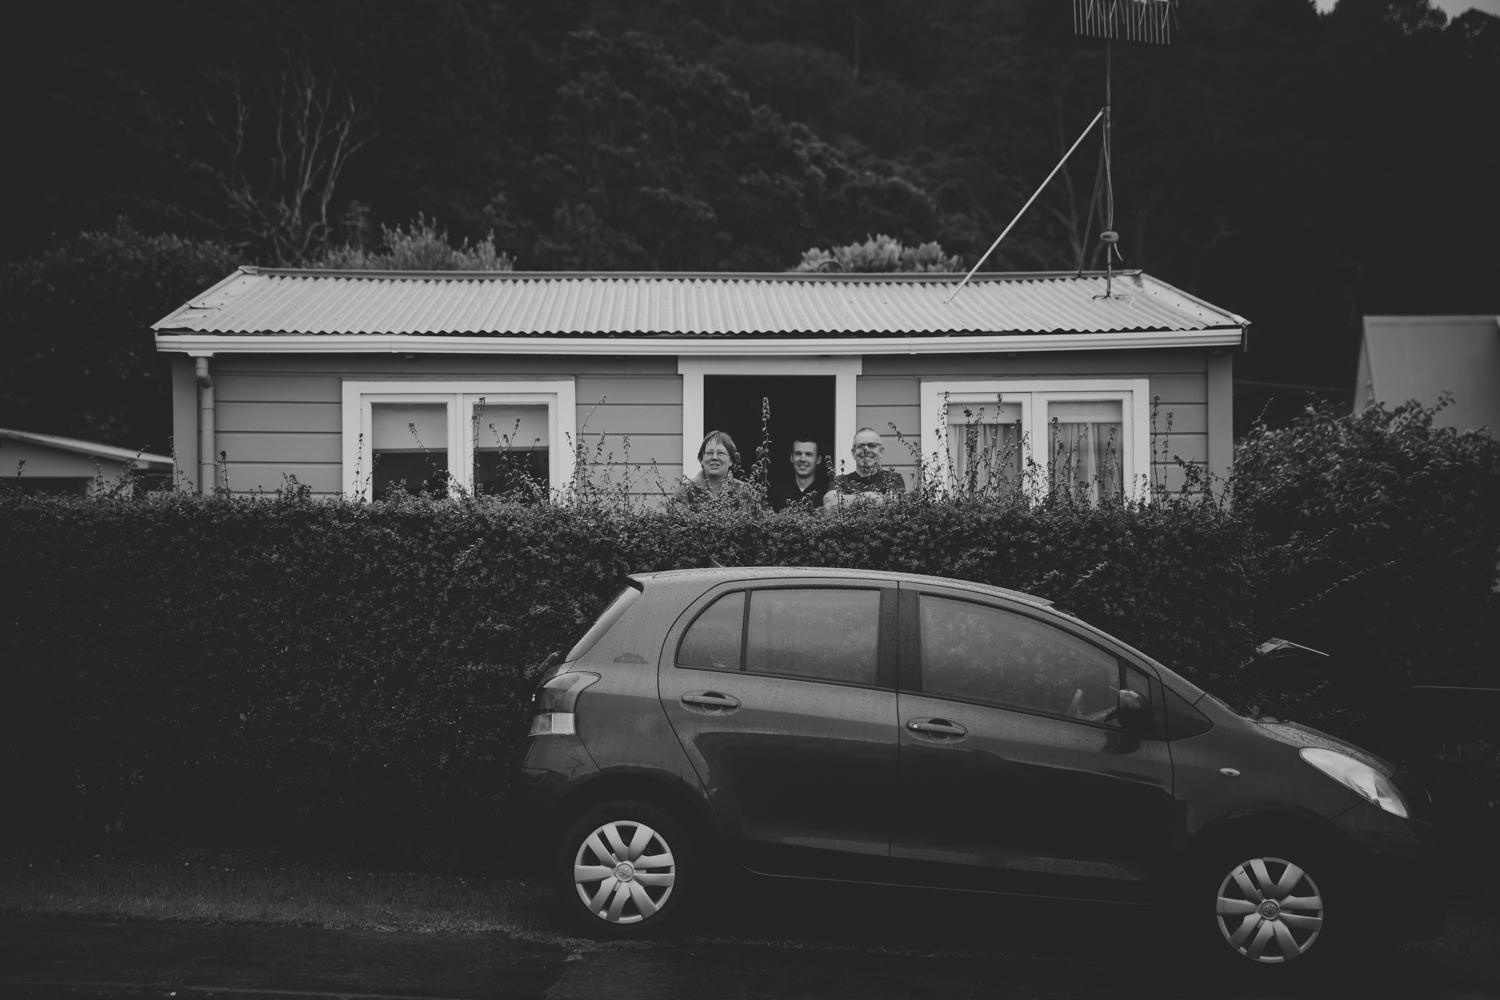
<point>869,447</point>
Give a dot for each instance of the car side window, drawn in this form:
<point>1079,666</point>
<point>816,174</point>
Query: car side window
<point>981,653</point>
<point>713,641</point>
<point>821,633</point>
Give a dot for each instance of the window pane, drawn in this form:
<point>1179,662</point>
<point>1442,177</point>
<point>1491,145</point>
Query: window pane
<point>1086,444</point>
<point>409,447</point>
<point>511,449</point>
<point>713,640</point>
<point>981,653</point>
<point>819,633</point>
<point>984,444</point>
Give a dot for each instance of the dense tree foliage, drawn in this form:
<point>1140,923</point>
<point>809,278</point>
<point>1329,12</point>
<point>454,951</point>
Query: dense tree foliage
<point>76,354</point>
<point>1300,169</point>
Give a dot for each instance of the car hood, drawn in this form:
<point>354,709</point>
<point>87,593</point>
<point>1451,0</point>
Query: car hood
<point>1299,735</point>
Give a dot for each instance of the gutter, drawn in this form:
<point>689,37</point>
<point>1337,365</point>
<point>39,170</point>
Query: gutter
<point>199,344</point>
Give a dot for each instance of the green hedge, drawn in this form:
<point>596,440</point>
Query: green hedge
<point>357,674</point>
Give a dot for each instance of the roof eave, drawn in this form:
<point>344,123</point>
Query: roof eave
<point>208,344</point>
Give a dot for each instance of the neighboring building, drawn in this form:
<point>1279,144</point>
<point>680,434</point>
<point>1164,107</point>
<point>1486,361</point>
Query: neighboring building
<point>45,463</point>
<point>1418,357</point>
<point>327,375</point>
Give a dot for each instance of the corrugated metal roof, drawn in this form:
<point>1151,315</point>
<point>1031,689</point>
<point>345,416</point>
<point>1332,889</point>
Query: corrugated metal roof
<point>254,301</point>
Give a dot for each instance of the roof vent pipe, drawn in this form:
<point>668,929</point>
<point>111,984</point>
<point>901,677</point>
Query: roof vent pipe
<point>207,468</point>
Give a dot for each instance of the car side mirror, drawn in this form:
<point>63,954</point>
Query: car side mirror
<point>1285,666</point>
<point>1134,712</point>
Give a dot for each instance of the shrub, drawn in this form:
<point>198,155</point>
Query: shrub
<point>1382,535</point>
<point>356,675</point>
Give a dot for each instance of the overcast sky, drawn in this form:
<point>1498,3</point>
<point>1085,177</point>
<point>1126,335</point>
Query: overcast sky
<point>1452,8</point>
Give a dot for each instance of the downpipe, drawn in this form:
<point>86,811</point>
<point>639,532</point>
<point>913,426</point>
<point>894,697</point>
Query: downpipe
<point>207,467</point>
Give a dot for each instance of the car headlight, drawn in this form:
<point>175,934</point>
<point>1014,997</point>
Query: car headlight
<point>1359,776</point>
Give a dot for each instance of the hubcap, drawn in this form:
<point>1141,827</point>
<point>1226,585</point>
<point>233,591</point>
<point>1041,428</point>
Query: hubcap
<point>1269,910</point>
<point>624,872</point>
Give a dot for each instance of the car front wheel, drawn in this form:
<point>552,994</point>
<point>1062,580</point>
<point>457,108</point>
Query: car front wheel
<point>623,870</point>
<point>1270,910</point>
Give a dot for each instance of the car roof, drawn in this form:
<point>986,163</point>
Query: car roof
<point>730,574</point>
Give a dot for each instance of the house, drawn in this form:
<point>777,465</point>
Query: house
<point>355,381</point>
<point>46,463</point>
<point>1419,357</point>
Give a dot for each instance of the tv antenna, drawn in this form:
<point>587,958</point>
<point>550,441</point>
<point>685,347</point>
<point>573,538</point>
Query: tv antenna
<point>1144,21</point>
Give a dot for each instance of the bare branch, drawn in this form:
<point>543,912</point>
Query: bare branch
<point>307,135</point>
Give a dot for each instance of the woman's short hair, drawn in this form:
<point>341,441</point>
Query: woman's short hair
<point>726,441</point>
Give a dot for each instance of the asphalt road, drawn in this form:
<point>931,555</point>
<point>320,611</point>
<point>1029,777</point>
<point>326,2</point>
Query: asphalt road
<point>830,950</point>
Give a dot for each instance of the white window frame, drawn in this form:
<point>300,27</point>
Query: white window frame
<point>558,396</point>
<point>844,369</point>
<point>1034,395</point>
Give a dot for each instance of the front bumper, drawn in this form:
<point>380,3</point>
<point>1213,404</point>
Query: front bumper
<point>1403,871</point>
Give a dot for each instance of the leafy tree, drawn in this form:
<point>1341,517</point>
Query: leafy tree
<point>879,253</point>
<point>76,356</point>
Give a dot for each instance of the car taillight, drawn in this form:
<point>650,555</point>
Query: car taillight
<point>556,701</point>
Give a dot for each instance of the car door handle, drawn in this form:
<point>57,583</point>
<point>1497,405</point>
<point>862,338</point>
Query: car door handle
<point>710,699</point>
<point>937,727</point>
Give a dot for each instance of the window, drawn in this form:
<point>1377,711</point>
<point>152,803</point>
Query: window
<point>1092,434</point>
<point>821,633</point>
<point>975,652</point>
<point>714,641</point>
<point>484,437</point>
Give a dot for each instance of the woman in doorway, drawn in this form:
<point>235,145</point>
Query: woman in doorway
<point>718,457</point>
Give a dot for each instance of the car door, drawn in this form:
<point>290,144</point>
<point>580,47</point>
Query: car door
<point>783,696</point>
<point>1013,777</point>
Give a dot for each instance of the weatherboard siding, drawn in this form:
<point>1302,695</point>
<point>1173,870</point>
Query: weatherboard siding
<point>280,415</point>
<point>888,397</point>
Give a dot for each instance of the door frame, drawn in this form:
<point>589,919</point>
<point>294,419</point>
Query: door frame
<point>845,370</point>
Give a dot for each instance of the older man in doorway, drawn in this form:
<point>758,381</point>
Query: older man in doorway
<point>868,481</point>
<point>804,491</point>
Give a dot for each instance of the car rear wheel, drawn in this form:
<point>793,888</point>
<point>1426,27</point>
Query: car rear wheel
<point>624,870</point>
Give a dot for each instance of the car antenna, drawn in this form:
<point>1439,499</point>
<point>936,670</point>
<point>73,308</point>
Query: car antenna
<point>715,563</point>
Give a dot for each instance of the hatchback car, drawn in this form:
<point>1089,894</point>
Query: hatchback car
<point>908,730</point>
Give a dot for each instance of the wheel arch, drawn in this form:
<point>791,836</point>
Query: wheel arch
<point>667,794</point>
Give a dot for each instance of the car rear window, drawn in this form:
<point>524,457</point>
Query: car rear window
<point>714,639</point>
<point>819,633</point>
<point>822,634</point>
<point>617,608</point>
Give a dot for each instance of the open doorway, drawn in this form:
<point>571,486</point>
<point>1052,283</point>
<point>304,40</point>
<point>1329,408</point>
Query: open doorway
<point>798,405</point>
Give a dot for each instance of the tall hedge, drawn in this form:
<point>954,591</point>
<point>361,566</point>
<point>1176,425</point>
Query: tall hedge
<point>358,673</point>
<point>356,676</point>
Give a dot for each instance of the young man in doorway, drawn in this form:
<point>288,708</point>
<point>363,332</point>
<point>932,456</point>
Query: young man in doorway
<point>803,491</point>
<point>868,481</point>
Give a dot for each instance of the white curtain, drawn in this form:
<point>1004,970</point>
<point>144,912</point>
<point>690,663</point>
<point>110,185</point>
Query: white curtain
<point>985,444</point>
<point>1086,445</point>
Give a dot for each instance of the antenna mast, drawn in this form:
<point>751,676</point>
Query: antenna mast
<point>1148,21</point>
<point>1145,21</point>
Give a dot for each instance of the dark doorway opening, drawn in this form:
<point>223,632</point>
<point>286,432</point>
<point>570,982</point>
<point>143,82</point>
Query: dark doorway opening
<point>799,405</point>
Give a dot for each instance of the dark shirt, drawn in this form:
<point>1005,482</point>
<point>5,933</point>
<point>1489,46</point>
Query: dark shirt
<point>785,494</point>
<point>884,481</point>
